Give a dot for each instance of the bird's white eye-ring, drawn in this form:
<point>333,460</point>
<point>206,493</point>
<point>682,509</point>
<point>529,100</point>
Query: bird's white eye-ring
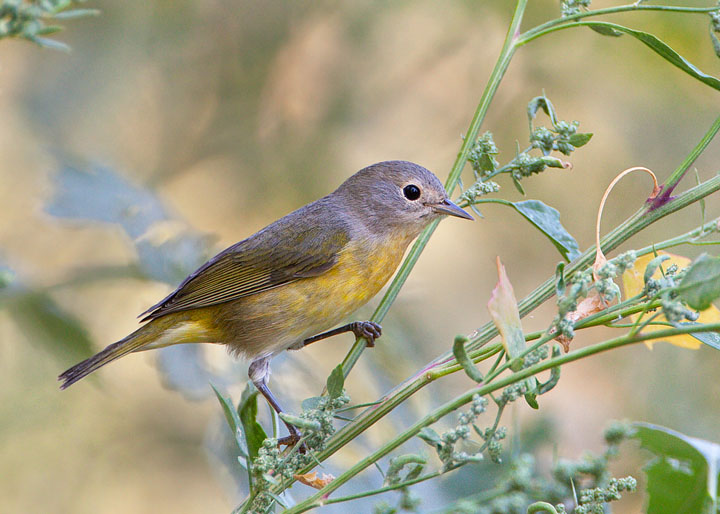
<point>411,192</point>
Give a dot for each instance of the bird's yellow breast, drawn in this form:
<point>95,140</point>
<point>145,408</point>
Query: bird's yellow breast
<point>274,320</point>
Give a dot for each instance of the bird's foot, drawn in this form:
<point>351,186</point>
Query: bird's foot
<point>367,329</point>
<point>292,439</point>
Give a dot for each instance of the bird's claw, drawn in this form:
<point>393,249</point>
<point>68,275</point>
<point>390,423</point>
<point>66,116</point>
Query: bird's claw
<point>367,329</point>
<point>292,440</point>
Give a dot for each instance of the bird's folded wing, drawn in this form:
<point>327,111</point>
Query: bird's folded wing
<point>269,259</point>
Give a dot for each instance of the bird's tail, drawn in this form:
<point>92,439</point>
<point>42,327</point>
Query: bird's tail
<point>156,334</point>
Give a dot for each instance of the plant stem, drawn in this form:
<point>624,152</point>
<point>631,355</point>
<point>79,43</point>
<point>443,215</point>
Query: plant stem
<point>673,180</point>
<point>566,21</point>
<point>385,489</point>
<point>319,499</point>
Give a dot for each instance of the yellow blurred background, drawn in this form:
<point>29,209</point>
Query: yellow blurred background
<point>234,114</point>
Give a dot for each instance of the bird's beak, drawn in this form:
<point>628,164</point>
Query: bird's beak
<point>449,208</point>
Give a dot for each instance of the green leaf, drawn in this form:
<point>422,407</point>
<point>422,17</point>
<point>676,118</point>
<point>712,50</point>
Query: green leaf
<point>49,43</point>
<point>247,410</point>
<point>517,185</point>
<point>486,162</point>
<point>311,403</point>
<point>606,31</point>
<point>397,464</point>
<point>302,423</point>
<point>76,13</point>
<point>560,279</point>
<point>541,102</point>
<point>652,266</point>
<point>233,419</point>
<point>50,29</point>
<point>547,220</point>
<point>464,360</point>
<point>335,382</point>
<point>531,399</point>
<point>554,374</point>
<point>701,284</point>
<point>431,437</point>
<point>581,139</point>
<point>684,474</point>
<point>659,47</point>
<point>505,315</point>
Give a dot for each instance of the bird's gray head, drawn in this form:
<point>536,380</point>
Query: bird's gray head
<point>397,195</point>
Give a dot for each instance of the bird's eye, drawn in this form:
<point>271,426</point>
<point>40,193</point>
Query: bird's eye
<point>411,192</point>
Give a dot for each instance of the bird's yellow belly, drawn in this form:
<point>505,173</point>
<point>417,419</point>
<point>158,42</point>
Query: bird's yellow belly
<point>269,322</point>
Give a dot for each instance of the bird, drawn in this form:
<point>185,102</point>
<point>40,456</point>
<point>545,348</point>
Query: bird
<point>286,285</point>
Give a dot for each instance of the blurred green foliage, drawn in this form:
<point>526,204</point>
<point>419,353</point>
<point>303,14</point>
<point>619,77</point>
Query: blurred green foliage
<point>28,20</point>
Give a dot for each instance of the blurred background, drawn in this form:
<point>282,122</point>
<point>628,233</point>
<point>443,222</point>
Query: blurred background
<point>174,129</point>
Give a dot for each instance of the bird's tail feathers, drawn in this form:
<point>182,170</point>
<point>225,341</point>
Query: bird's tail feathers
<point>158,333</point>
<point>129,344</point>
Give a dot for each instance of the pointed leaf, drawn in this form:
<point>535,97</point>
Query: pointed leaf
<point>504,312</point>
<point>653,266</point>
<point>464,360</point>
<point>247,410</point>
<point>541,102</point>
<point>606,31</point>
<point>517,185</point>
<point>431,437</point>
<point>50,29</point>
<point>578,140</point>
<point>560,279</point>
<point>335,382</point>
<point>49,43</point>
<point>547,220</point>
<point>659,47</point>
<point>232,418</point>
<point>302,423</point>
<point>76,13</point>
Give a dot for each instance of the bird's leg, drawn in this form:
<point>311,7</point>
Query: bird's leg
<point>259,371</point>
<point>367,329</point>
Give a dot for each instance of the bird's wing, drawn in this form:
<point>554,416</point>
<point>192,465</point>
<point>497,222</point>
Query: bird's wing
<point>282,253</point>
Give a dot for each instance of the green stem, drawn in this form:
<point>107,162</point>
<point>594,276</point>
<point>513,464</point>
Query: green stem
<point>686,238</point>
<point>385,489</point>
<point>566,22</point>
<point>319,499</point>
<point>496,76</point>
<point>673,180</point>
